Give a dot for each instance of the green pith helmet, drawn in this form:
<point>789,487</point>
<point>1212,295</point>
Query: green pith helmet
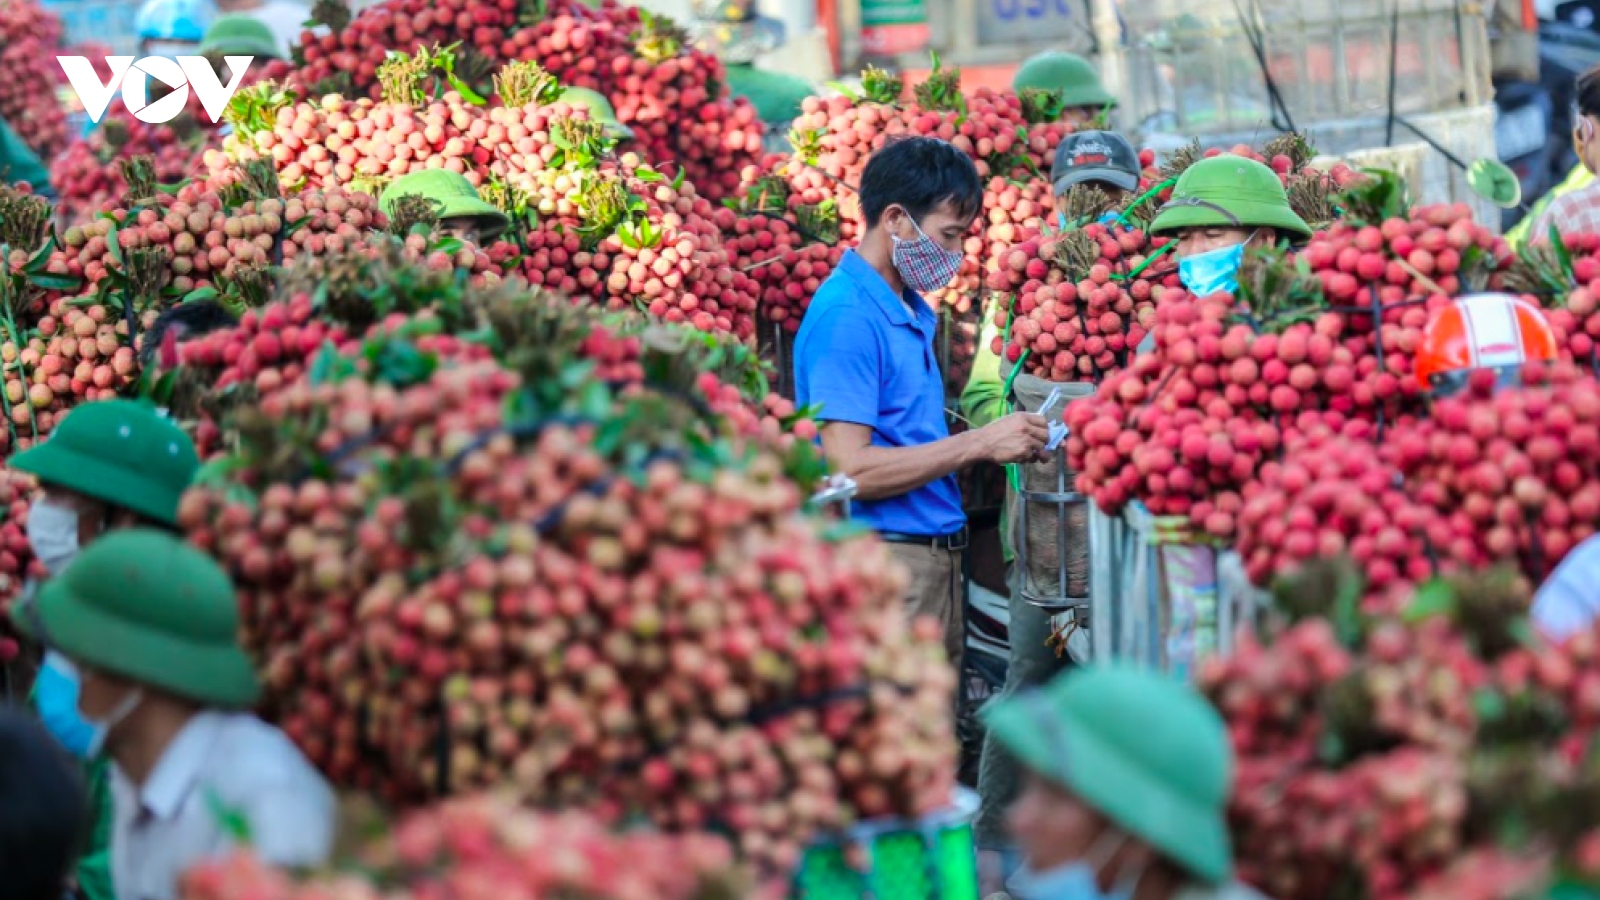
<point>119,452</point>
<point>456,196</point>
<point>1229,191</point>
<point>1067,75</point>
<point>147,606</point>
<point>1141,748</point>
<point>240,35</point>
<point>600,110</point>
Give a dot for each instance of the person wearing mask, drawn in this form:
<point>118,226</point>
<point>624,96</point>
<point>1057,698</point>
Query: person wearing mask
<point>1127,776</point>
<point>194,775</point>
<point>462,213</point>
<point>173,28</point>
<point>43,817</point>
<point>865,358</point>
<point>737,33</point>
<point>285,19</point>
<point>1578,211</point>
<point>109,465</point>
<point>168,29</point>
<point>1105,160</point>
<point>1220,207</point>
<point>600,110</point>
<point>1071,79</point>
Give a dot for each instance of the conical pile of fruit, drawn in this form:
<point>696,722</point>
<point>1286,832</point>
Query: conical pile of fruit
<point>1517,470</point>
<point>30,38</point>
<point>87,175</point>
<point>590,223</point>
<point>1391,757</point>
<point>465,569</point>
<point>1077,304</point>
<point>671,94</point>
<point>1185,428</point>
<point>1343,493</point>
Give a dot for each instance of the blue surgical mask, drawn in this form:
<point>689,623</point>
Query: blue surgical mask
<point>55,695</point>
<point>1214,271</point>
<point>1076,880</point>
<point>1073,881</point>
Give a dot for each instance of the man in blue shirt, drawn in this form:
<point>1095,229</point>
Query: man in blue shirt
<point>865,357</point>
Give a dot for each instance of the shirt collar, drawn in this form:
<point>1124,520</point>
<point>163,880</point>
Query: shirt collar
<point>180,766</point>
<point>896,309</point>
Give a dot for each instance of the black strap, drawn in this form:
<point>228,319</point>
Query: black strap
<point>1207,204</point>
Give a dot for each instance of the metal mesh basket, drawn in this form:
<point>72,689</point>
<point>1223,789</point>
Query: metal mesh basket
<point>931,859</point>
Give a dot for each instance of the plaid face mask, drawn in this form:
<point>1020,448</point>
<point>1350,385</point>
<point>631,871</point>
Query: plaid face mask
<point>924,265</point>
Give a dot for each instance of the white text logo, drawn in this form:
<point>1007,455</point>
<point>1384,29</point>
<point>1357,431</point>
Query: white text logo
<point>180,75</point>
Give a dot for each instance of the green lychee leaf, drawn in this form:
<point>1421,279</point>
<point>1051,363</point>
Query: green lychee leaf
<point>41,258</point>
<point>113,244</point>
<point>53,282</point>
<point>466,92</point>
<point>218,472</point>
<point>1435,598</point>
<point>1488,704</point>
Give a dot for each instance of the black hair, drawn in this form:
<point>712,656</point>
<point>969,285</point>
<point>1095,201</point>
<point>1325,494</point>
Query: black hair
<point>193,319</point>
<point>1586,92</point>
<point>44,815</point>
<point>919,174</point>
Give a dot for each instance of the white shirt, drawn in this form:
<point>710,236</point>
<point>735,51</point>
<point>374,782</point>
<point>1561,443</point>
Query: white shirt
<point>219,761</point>
<point>1569,600</point>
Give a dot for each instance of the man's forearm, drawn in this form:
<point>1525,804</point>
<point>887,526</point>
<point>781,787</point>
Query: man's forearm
<point>881,472</point>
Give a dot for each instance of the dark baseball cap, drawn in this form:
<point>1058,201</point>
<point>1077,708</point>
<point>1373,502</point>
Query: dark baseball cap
<point>1095,156</point>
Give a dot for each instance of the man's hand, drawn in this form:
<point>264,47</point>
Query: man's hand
<point>1019,437</point>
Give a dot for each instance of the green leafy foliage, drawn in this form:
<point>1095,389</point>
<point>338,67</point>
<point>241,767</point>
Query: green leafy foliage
<point>24,219</point>
<point>941,91</point>
<point>658,37</point>
<point>518,84</point>
<point>1379,196</point>
<point>1279,290</point>
<point>881,86</point>
<point>254,109</point>
<point>1040,106</point>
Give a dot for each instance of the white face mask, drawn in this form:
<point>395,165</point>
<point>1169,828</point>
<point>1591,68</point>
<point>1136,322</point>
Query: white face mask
<point>53,533</point>
<point>102,727</point>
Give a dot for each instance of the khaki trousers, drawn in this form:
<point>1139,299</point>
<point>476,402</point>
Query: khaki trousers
<point>937,590</point>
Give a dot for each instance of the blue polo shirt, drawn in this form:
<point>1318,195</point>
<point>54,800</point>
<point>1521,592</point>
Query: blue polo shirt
<point>863,357</point>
